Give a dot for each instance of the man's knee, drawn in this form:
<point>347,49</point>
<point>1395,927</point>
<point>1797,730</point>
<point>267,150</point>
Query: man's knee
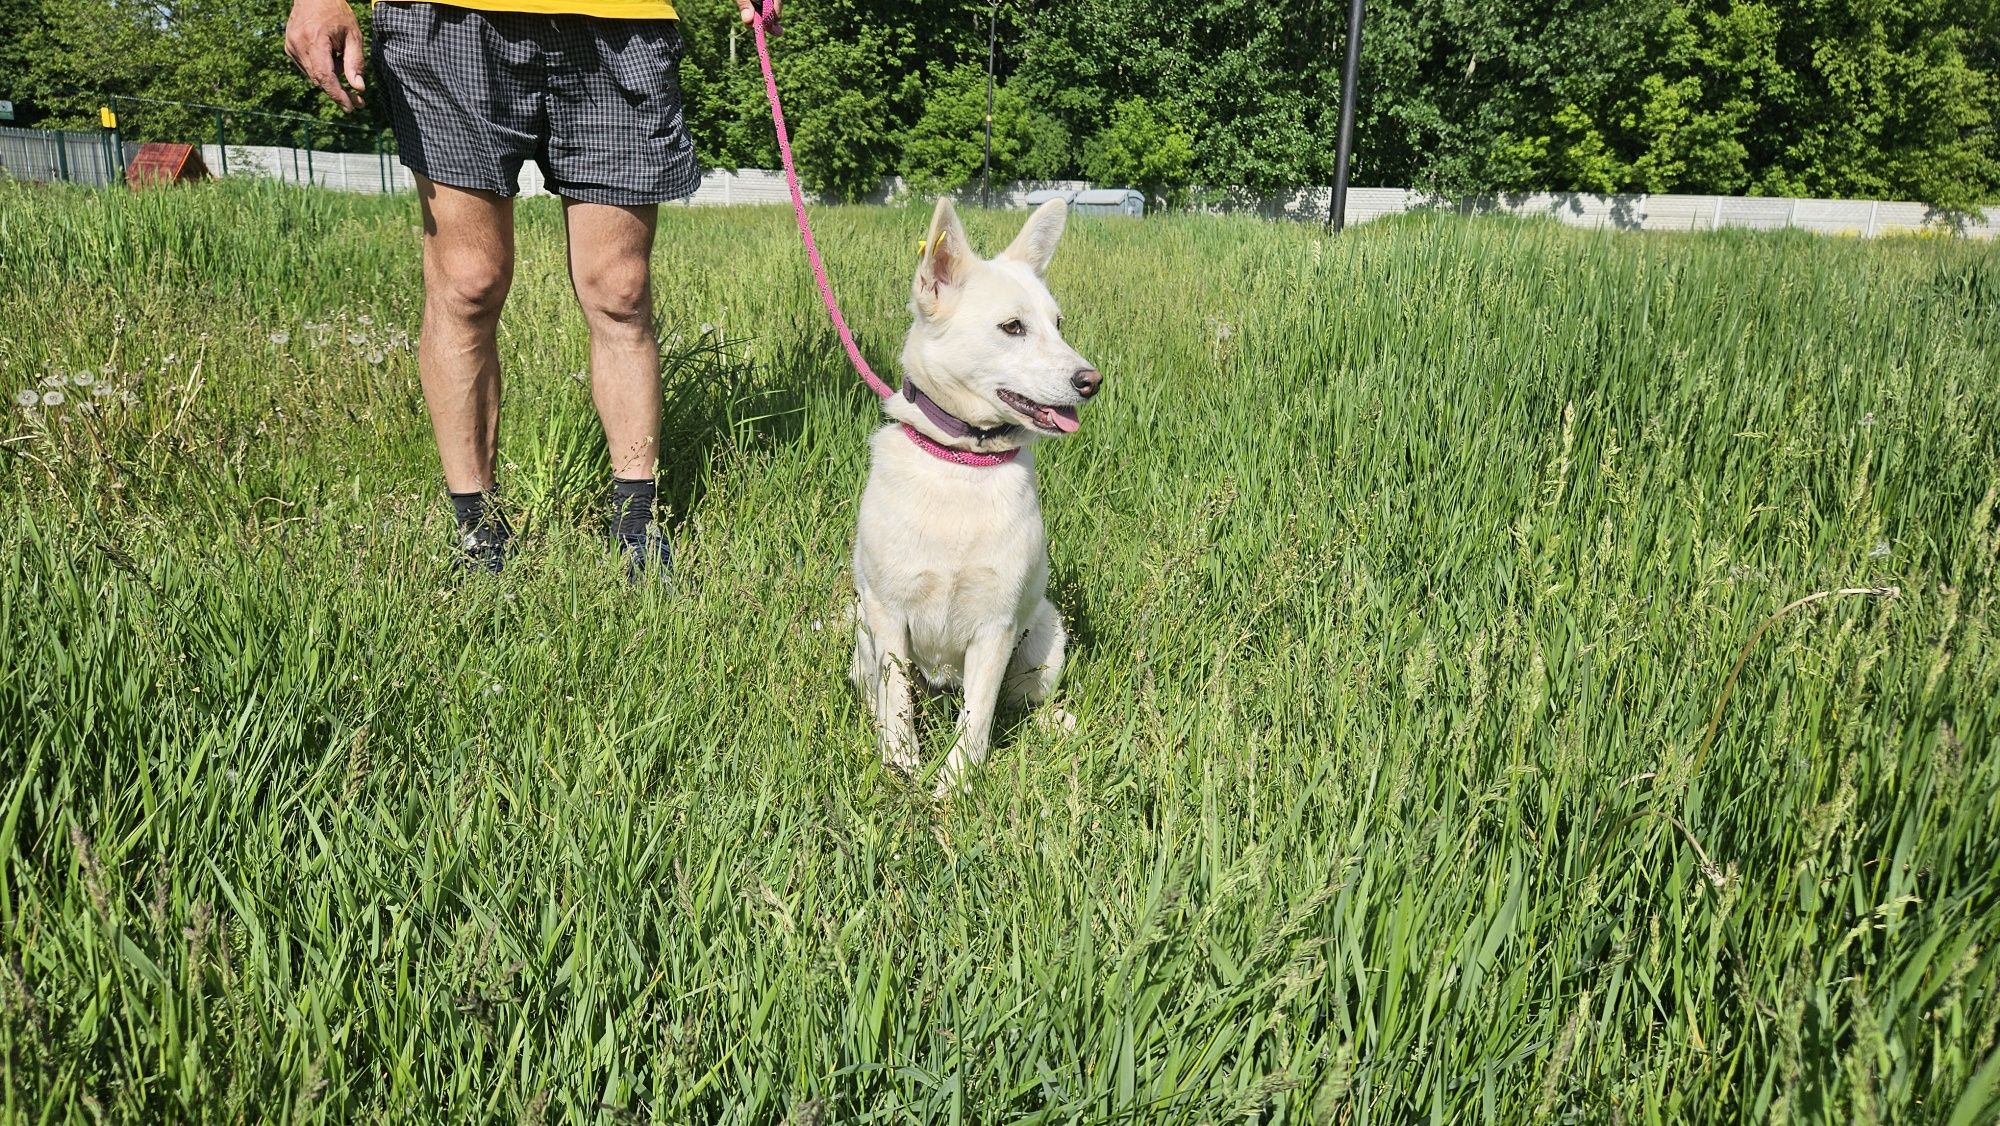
<point>470,288</point>
<point>616,296</point>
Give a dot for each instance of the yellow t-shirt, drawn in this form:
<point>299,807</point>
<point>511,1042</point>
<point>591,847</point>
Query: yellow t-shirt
<point>608,9</point>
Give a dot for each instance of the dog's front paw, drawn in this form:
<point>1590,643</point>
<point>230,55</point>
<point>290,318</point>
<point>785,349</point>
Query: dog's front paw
<point>901,758</point>
<point>1053,718</point>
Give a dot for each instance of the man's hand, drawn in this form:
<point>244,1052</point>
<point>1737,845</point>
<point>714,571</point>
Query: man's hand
<point>325,42</point>
<point>748,10</point>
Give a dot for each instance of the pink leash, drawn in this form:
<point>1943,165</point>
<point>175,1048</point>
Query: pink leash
<point>875,384</point>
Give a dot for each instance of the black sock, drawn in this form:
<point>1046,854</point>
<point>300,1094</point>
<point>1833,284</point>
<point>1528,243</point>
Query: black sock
<point>476,510</point>
<point>470,509</point>
<point>631,507</point>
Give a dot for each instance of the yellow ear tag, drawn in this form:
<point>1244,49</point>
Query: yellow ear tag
<point>921,244</point>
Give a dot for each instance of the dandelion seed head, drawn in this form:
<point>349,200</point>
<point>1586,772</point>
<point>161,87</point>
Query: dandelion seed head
<point>82,378</point>
<point>102,390</point>
<point>53,380</point>
<point>706,328</point>
<point>374,357</point>
<point>52,398</point>
<point>357,338</point>
<point>26,398</point>
<point>281,337</point>
<point>364,319</point>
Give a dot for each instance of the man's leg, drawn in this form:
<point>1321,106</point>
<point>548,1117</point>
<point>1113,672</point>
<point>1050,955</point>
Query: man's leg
<point>610,255</point>
<point>610,258</point>
<point>468,267</point>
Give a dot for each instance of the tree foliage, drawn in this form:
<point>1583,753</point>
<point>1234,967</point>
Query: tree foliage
<point>1770,97</point>
<point>1881,98</point>
<point>848,80</point>
<point>946,148</point>
<point>75,55</point>
<point>1143,148</point>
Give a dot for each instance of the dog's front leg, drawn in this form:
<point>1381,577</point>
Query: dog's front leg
<point>985,667</point>
<point>882,673</point>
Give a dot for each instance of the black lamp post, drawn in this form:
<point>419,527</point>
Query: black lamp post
<point>986,170</point>
<point>1350,68</point>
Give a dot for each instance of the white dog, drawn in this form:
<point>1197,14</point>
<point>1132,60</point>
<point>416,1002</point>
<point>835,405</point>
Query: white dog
<point>950,562</point>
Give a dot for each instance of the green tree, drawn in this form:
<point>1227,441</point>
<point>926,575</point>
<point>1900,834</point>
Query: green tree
<point>18,16</point>
<point>848,73</point>
<point>1250,80</point>
<point>1046,151</point>
<point>1803,97</point>
<point>80,54</point>
<point>842,131</point>
<point>1883,100</point>
<point>946,148</point>
<point>1821,97</point>
<point>1141,148</point>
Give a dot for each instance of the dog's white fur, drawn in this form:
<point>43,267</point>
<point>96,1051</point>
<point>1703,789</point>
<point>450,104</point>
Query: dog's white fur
<point>950,561</point>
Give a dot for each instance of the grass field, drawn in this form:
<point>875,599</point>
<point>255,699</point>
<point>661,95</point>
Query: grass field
<point>1406,569</point>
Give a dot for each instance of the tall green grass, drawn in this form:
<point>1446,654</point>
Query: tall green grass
<point>1405,572</point>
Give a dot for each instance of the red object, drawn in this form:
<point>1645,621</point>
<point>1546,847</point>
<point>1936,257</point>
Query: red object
<point>161,163</point>
<point>955,455</point>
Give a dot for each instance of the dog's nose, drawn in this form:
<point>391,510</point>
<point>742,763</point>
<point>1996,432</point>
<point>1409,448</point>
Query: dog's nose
<point>1086,381</point>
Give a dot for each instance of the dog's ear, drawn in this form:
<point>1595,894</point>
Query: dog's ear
<point>1036,243</point>
<point>947,259</point>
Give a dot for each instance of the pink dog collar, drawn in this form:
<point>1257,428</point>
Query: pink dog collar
<point>959,457</point>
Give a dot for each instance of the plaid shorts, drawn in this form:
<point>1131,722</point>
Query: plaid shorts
<point>473,95</point>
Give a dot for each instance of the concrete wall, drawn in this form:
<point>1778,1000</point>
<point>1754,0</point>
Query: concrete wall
<point>49,155</point>
<point>342,171</point>
<point>1864,218</point>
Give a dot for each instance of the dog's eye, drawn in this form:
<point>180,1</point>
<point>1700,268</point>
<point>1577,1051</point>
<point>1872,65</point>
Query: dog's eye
<point>1014,328</point>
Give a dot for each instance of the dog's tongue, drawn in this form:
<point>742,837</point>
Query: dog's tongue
<point>1062,418</point>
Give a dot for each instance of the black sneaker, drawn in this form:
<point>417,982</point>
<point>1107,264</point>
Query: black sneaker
<point>649,556</point>
<point>485,546</point>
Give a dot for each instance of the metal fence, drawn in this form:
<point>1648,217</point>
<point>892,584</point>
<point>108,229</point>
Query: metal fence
<point>100,158</point>
<point>93,158</point>
<point>54,154</point>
